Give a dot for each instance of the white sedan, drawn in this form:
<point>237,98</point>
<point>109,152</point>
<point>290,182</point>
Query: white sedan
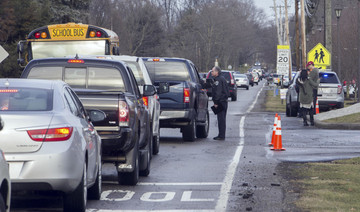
<point>242,81</point>
<point>49,141</point>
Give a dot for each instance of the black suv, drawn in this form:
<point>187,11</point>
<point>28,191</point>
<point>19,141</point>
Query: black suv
<point>229,77</point>
<point>185,106</point>
<point>110,86</point>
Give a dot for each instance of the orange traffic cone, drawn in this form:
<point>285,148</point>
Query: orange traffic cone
<point>278,142</point>
<point>274,130</point>
<point>317,107</point>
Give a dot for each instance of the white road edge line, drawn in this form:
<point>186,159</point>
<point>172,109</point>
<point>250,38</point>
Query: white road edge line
<point>229,177</point>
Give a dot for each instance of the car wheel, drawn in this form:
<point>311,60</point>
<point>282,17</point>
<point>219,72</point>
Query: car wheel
<point>94,191</point>
<point>2,204</point>
<point>293,111</point>
<point>76,200</point>
<point>287,110</point>
<point>189,132</point>
<point>257,83</point>
<point>145,172</point>
<point>131,178</point>
<point>202,131</point>
<point>247,87</point>
<point>156,143</point>
<point>234,97</point>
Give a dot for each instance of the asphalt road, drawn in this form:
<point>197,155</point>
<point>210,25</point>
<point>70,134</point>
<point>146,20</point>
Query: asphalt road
<point>238,174</point>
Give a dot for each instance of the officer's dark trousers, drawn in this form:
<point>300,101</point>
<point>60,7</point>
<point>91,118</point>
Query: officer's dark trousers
<point>222,120</point>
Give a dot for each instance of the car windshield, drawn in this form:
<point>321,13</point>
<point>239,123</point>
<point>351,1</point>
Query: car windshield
<point>328,78</point>
<point>167,71</point>
<point>103,78</point>
<point>26,99</point>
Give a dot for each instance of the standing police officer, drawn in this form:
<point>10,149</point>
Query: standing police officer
<point>220,94</point>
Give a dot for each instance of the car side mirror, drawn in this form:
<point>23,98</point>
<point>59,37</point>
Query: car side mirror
<point>20,47</point>
<point>96,115</point>
<point>163,87</point>
<point>149,90</point>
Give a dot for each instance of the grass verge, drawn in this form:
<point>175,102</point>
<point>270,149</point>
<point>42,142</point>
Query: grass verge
<point>349,119</point>
<point>333,186</point>
<point>273,103</point>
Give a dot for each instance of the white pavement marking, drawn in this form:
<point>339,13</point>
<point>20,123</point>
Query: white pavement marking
<point>183,184</point>
<point>254,102</point>
<point>229,177</point>
<point>100,210</point>
<point>175,184</point>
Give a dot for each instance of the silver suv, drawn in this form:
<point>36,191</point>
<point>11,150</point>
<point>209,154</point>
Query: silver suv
<point>330,93</point>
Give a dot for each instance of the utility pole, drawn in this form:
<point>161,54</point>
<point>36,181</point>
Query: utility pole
<point>358,47</point>
<point>297,35</point>
<point>277,23</point>
<point>328,35</point>
<point>281,26</point>
<point>287,37</point>
<point>303,33</point>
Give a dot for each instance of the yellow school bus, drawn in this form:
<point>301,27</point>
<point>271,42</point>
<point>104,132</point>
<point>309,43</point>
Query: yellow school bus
<point>68,39</point>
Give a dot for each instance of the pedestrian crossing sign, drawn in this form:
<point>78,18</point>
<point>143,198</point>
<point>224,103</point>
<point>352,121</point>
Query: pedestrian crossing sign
<point>320,56</point>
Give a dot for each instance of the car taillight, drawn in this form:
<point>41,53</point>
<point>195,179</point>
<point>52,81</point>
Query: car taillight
<point>186,95</point>
<point>54,134</point>
<point>123,114</point>
<point>146,101</point>
<point>232,80</point>
<point>339,90</point>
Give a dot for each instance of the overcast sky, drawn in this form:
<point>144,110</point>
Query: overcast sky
<point>266,4</point>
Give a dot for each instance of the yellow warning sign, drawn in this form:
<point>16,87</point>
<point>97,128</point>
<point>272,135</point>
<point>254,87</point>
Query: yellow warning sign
<point>320,56</point>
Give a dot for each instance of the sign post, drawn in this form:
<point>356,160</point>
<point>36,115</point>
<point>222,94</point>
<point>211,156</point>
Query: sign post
<point>3,54</point>
<point>320,56</point>
<point>282,63</point>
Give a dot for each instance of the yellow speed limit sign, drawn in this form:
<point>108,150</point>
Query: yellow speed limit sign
<point>320,56</point>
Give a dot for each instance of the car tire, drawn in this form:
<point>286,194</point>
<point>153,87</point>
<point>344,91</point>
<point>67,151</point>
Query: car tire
<point>287,110</point>
<point>76,200</point>
<point>234,97</point>
<point>145,172</point>
<point>2,204</point>
<point>202,131</point>
<point>131,178</point>
<point>94,192</point>
<point>247,87</point>
<point>293,111</point>
<point>156,143</point>
<point>189,132</point>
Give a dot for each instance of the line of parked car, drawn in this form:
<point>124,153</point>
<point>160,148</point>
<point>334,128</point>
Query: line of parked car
<point>67,116</point>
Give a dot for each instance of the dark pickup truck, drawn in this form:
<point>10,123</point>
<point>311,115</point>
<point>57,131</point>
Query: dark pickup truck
<point>185,106</point>
<point>109,86</point>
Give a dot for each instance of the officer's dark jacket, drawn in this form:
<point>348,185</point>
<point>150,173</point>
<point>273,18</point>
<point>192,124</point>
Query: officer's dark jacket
<point>220,90</point>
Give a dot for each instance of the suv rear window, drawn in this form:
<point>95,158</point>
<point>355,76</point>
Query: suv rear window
<point>167,71</point>
<point>226,75</point>
<point>328,78</point>
<point>103,78</point>
<point>26,99</point>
